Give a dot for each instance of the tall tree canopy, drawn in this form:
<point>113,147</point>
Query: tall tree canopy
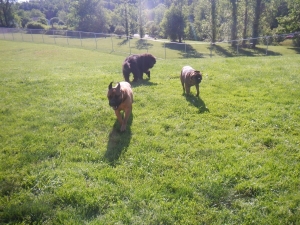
<point>7,13</point>
<point>211,20</point>
<point>173,23</point>
<point>89,15</point>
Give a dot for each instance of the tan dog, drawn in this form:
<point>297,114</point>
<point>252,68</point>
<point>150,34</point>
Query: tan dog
<point>121,98</point>
<point>190,77</point>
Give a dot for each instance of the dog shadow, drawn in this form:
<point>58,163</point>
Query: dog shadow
<point>144,82</point>
<point>118,141</point>
<point>197,102</point>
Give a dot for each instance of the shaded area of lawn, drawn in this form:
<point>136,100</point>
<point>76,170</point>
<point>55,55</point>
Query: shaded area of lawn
<point>235,52</point>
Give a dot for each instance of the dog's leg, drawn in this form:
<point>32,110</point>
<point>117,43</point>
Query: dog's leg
<point>197,88</point>
<point>124,123</point>
<point>182,83</point>
<point>187,89</point>
<point>119,116</point>
<point>136,74</point>
<point>126,75</point>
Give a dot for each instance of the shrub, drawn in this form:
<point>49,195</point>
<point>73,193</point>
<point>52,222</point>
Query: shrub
<point>35,25</point>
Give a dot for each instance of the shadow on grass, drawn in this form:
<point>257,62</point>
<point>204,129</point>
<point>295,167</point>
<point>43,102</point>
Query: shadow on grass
<point>232,51</point>
<point>297,50</point>
<point>118,141</point>
<point>143,44</point>
<point>197,102</point>
<point>123,42</point>
<point>144,82</point>
<point>185,50</point>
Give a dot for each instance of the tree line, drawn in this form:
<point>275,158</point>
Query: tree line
<point>213,20</point>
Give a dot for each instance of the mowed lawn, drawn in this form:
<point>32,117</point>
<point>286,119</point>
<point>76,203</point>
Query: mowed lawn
<point>230,157</point>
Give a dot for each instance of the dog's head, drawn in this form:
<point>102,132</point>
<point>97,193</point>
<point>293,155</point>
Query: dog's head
<point>196,76</point>
<point>150,60</point>
<point>114,96</point>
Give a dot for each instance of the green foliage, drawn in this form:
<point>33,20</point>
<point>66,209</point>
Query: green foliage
<point>152,29</point>
<point>89,16</point>
<point>35,25</point>
<point>206,19</point>
<point>229,157</point>
<point>7,14</point>
<point>43,20</point>
<point>119,30</point>
<point>54,20</point>
<point>173,24</point>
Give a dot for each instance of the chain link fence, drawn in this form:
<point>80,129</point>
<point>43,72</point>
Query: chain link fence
<point>159,48</point>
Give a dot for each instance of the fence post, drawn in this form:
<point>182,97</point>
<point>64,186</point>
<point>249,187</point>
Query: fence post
<point>3,33</point>
<point>12,34</point>
<point>67,37</point>
<point>22,36</point>
<point>31,36</point>
<point>211,49</point>
<point>267,45</point>
<point>53,37</point>
<point>165,50</point>
<point>43,37</point>
<point>129,45</point>
<point>112,44</point>
<point>80,38</point>
<point>96,41</point>
<point>147,45</point>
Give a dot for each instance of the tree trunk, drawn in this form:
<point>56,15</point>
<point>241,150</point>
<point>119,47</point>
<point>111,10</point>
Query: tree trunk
<point>213,21</point>
<point>255,31</point>
<point>234,23</point>
<point>245,23</point>
<point>126,21</point>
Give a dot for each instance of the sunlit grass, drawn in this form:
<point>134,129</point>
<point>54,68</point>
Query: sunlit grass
<point>230,157</point>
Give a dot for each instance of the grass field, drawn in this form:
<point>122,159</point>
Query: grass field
<point>229,157</point>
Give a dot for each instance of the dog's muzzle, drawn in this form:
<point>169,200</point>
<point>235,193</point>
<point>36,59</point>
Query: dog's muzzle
<point>114,104</point>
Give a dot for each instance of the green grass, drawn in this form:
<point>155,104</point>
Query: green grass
<point>230,157</point>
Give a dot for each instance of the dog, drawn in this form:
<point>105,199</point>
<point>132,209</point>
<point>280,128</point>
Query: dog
<point>137,65</point>
<point>190,77</point>
<point>120,99</point>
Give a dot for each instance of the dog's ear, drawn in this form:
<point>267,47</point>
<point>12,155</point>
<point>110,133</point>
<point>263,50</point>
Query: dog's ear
<point>110,86</point>
<point>118,87</point>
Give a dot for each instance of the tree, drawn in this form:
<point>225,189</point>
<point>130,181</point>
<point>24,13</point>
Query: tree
<point>213,21</point>
<point>53,21</point>
<point>255,29</point>
<point>7,13</point>
<point>245,23</point>
<point>140,19</point>
<point>89,16</point>
<point>152,29</point>
<point>119,30</point>
<point>291,22</point>
<point>234,22</point>
<point>173,23</point>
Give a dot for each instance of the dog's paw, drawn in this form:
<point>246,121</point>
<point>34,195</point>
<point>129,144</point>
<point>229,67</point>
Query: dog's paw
<point>123,127</point>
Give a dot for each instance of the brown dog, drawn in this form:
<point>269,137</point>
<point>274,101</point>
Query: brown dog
<point>190,77</point>
<point>121,98</point>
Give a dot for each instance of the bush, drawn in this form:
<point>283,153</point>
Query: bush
<point>119,30</point>
<point>35,25</point>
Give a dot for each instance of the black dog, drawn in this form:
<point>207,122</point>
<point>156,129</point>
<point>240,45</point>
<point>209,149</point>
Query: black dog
<point>138,64</point>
